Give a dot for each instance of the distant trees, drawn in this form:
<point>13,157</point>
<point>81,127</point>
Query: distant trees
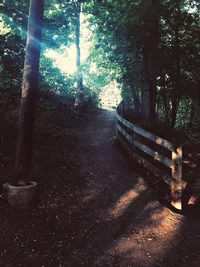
<point>150,47</point>
<point>79,91</point>
<point>13,18</point>
<point>155,44</point>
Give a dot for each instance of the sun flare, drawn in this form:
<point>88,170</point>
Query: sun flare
<point>65,61</point>
<point>65,57</point>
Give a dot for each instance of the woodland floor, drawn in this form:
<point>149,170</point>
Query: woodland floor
<point>93,208</point>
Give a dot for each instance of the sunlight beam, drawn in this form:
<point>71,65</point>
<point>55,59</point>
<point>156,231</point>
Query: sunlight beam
<point>65,57</point>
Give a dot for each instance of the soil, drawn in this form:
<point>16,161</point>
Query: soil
<point>94,207</point>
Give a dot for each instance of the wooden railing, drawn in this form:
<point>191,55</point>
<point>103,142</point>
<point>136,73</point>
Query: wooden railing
<point>150,150</point>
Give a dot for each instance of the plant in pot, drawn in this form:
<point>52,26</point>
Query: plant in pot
<point>21,192</point>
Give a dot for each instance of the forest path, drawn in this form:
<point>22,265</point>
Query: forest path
<point>93,209</point>
<point>125,225</point>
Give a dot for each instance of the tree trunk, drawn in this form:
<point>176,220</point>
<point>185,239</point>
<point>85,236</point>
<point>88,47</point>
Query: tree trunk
<point>166,100</point>
<point>79,91</point>
<point>136,100</point>
<point>166,104</point>
<point>175,104</point>
<point>146,114</point>
<point>29,92</point>
<point>167,109</point>
<point>192,114</point>
<point>177,77</point>
<point>149,92</point>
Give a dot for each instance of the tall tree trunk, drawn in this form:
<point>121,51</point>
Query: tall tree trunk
<point>176,86</point>
<point>149,92</point>
<point>79,91</point>
<point>166,104</point>
<point>192,114</point>
<point>166,101</point>
<point>29,92</point>
<point>175,104</point>
<point>167,109</point>
<point>136,101</point>
<point>146,114</point>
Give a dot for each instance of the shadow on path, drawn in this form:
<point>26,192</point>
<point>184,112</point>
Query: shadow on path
<point>94,209</point>
<point>122,222</point>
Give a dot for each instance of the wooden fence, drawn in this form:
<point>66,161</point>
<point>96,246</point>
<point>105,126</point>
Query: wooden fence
<point>157,155</point>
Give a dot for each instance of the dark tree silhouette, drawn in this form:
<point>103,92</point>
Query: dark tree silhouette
<point>79,91</point>
<point>29,92</point>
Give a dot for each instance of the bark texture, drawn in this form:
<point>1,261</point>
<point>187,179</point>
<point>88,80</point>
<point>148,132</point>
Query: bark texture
<point>149,92</point>
<point>29,92</point>
<point>175,104</point>
<point>79,91</point>
<point>136,100</point>
<point>192,114</point>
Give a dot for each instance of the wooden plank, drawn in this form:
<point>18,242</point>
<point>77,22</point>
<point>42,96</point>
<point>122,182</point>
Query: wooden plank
<point>156,139</point>
<point>119,118</point>
<point>125,122</point>
<point>156,155</point>
<point>125,146</point>
<point>176,188</point>
<point>124,133</point>
<point>120,129</point>
<point>156,171</point>
<point>175,164</point>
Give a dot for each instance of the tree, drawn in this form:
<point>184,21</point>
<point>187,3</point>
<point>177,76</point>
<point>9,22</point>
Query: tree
<point>79,91</point>
<point>153,47</point>
<point>29,92</point>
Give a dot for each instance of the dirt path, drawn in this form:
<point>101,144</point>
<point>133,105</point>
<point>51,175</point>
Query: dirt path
<point>93,209</point>
<point>127,225</point>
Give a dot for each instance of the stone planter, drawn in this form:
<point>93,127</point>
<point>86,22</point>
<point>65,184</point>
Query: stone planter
<point>20,196</point>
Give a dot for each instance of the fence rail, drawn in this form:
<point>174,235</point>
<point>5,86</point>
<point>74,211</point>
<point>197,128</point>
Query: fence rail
<point>128,135</point>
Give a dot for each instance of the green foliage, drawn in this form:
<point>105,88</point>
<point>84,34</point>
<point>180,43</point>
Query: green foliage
<point>13,20</point>
<point>144,45</point>
<point>54,81</point>
<point>151,45</point>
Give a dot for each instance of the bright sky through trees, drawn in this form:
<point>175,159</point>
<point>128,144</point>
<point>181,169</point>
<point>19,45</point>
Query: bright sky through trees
<point>110,96</point>
<point>3,28</point>
<point>65,57</point>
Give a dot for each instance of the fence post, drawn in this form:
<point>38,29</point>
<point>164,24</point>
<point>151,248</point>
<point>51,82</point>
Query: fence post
<point>176,185</point>
<point>133,138</point>
<point>116,124</point>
